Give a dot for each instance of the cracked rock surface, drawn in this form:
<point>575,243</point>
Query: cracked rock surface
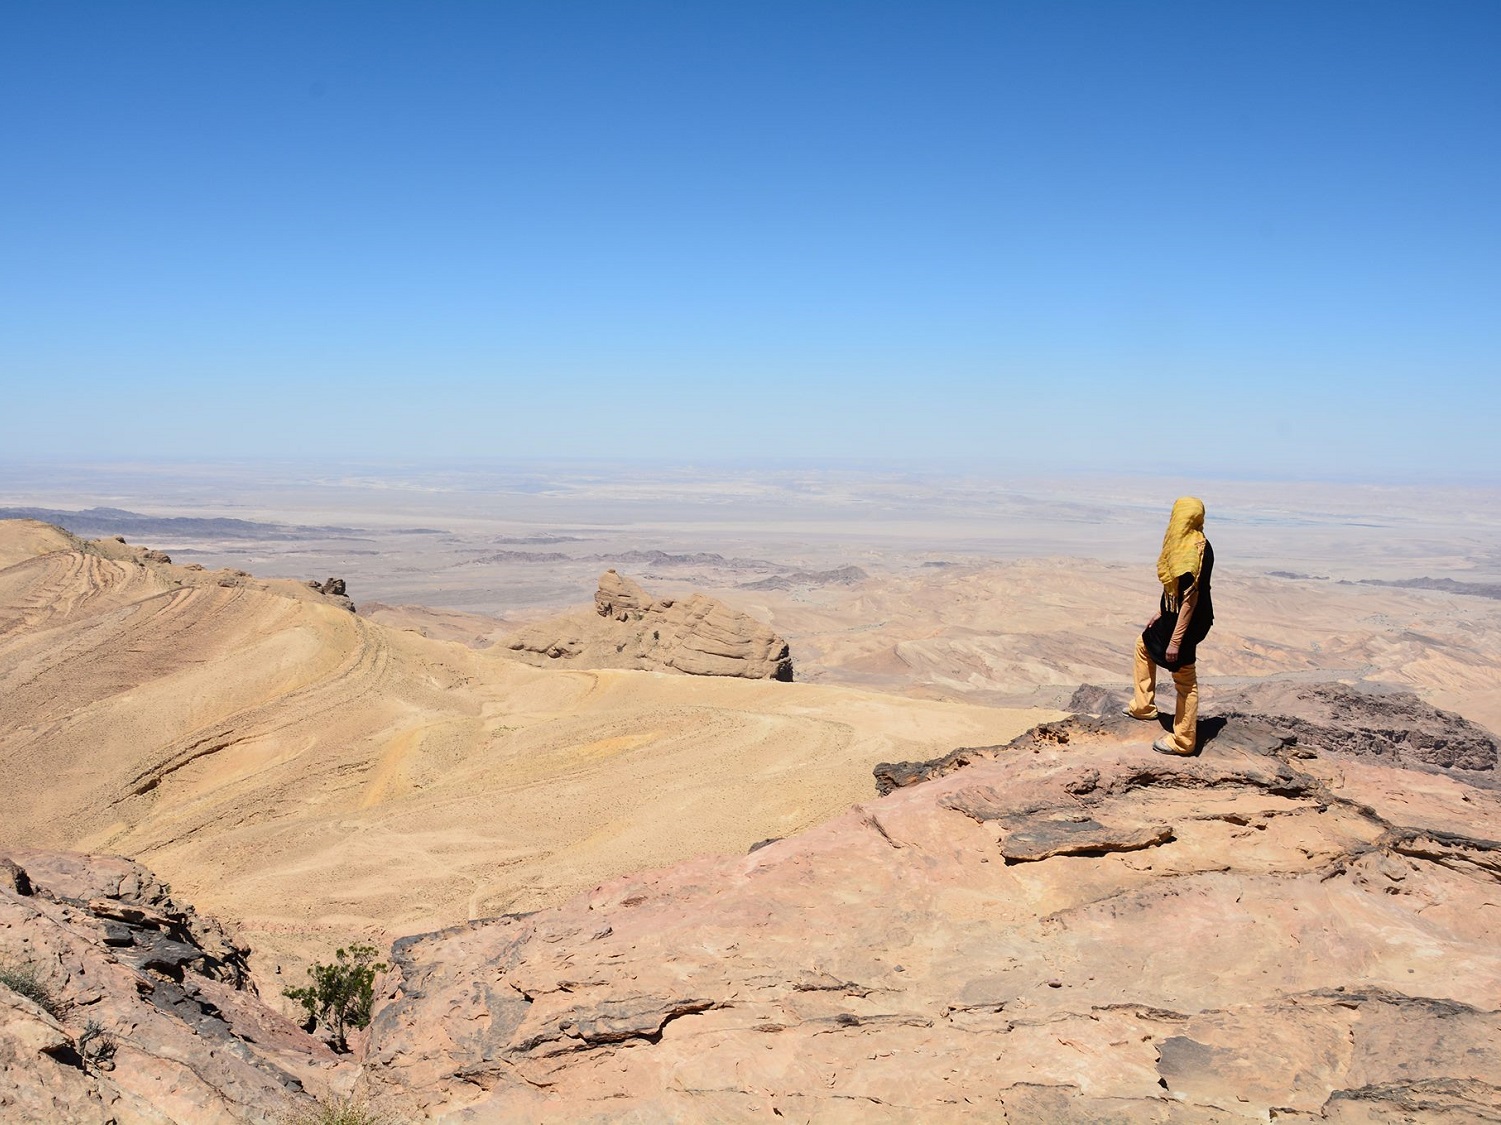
<point>148,1017</point>
<point>1070,929</point>
<point>1397,727</point>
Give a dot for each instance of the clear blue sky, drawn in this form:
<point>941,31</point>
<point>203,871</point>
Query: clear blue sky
<point>1253,237</point>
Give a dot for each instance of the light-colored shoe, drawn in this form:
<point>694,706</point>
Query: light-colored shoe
<point>1130,714</point>
<point>1163,746</point>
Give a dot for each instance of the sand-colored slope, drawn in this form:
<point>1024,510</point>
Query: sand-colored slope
<point>25,539</point>
<point>315,776</point>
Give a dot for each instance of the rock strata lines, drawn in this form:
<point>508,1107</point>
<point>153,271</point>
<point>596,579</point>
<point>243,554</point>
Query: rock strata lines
<point>698,636</point>
<point>1068,928</point>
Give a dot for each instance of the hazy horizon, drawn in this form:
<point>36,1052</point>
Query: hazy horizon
<point>1017,468</point>
<point>356,519</point>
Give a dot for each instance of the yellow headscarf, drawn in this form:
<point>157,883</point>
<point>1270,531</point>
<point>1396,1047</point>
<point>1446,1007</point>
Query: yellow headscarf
<point>1182,544</point>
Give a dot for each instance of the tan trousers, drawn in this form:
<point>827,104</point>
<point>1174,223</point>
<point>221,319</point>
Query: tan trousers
<point>1185,736</point>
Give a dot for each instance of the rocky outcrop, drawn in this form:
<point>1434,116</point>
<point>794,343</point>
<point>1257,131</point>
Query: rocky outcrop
<point>1072,929</point>
<point>335,590</point>
<point>1310,719</point>
<point>1397,726</point>
<point>698,636</point>
<point>119,1005</point>
<point>141,922</point>
<point>620,599</point>
<point>1090,699</point>
<point>1255,734</point>
<point>704,637</point>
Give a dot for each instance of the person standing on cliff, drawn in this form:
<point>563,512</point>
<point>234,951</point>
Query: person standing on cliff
<point>1183,618</point>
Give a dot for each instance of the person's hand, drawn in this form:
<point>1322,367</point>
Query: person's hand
<point>1172,652</point>
<point>1156,617</point>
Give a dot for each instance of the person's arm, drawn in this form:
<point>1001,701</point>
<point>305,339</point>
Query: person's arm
<point>1185,615</point>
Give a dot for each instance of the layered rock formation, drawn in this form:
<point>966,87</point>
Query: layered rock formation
<point>698,636</point>
<point>1307,719</point>
<point>1396,727</point>
<point>318,778</point>
<point>117,1005</point>
<point>1072,930</point>
<point>837,576</point>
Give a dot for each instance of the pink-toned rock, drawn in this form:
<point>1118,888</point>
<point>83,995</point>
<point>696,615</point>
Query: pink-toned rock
<point>118,890</point>
<point>1218,939</point>
<point>37,1085</point>
<point>143,1010</point>
<point>698,636</point>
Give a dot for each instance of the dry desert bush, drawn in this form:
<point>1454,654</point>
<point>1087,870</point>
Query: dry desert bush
<point>24,978</point>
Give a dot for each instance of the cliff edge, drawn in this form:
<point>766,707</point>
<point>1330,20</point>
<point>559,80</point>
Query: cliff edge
<point>1070,929</point>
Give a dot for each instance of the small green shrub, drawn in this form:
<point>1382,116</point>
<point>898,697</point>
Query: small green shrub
<point>25,979</point>
<point>341,994</point>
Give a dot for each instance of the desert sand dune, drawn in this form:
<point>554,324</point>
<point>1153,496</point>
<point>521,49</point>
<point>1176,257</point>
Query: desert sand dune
<point>315,775</point>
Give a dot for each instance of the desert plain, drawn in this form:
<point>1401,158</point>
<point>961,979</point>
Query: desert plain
<point>312,776</point>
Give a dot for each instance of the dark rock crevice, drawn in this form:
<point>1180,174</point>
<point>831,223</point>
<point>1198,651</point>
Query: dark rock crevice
<point>1340,720</point>
<point>1448,849</point>
<point>610,1023</point>
<point>1040,839</point>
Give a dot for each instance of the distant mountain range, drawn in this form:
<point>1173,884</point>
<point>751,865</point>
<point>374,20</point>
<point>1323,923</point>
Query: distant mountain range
<point>93,522</point>
<point>1447,585</point>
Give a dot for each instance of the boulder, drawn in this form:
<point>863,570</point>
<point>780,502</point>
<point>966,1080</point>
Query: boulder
<point>335,590</point>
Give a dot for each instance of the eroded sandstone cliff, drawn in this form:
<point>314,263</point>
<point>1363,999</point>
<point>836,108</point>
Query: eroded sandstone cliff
<point>698,636</point>
<point>259,745</point>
